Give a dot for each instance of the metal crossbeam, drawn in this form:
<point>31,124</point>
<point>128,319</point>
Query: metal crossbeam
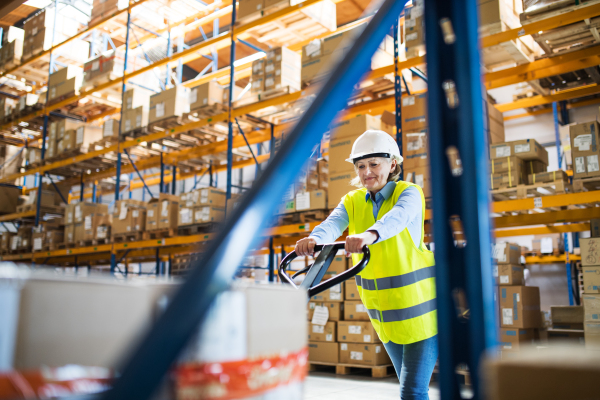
<point>246,140</point>
<point>138,173</point>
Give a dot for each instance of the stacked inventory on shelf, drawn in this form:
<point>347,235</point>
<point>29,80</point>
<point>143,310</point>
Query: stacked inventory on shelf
<point>590,261</point>
<point>340,331</point>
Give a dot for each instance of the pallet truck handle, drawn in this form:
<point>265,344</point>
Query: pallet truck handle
<point>322,286</point>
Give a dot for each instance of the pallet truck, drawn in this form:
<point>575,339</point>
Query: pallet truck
<point>315,272</point>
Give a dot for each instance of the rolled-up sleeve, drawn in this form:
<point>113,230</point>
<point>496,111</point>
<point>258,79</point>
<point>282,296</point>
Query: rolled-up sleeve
<point>333,227</point>
<point>406,209</point>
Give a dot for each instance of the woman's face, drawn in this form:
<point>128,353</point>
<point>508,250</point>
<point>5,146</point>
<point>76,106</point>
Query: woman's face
<point>374,172</point>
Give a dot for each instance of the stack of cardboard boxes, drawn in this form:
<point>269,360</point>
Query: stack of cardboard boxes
<point>6,107</point>
<point>12,48</point>
<point>321,55</point>
<point>520,314</point>
<point>104,67</point>
<point>21,241</point>
<point>495,122</point>
<point>129,218</point>
<point>340,331</point>
<point>519,162</point>
<point>415,141</point>
<point>201,206</point>
<point>279,70</point>
<point>162,211</point>
<point>54,143</point>
<point>82,221</point>
<point>206,95</point>
<point>102,9</point>
<point>64,83</point>
<point>169,103</point>
<point>322,13</point>
<point>414,30</point>
<point>137,110</point>
<point>567,324</point>
<point>585,148</point>
<point>40,29</point>
<point>309,192</point>
<point>48,235</point>
<point>590,261</point>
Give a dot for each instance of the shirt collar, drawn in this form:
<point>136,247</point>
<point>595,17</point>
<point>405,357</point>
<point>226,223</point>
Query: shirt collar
<point>386,191</point>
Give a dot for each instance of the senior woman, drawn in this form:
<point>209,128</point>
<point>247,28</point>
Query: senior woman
<point>398,286</point>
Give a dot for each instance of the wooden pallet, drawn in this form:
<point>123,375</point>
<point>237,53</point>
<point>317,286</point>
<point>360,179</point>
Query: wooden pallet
<point>134,133</point>
<point>104,142</point>
<point>524,191</point>
<point>165,124</point>
<point>205,112</point>
<point>196,229</point>
<point>94,242</point>
<point>586,184</point>
<point>63,97</point>
<point>127,237</point>
<point>529,253</point>
<point>302,217</point>
<point>161,233</point>
<point>44,209</point>
<point>378,371</point>
<point>99,80</point>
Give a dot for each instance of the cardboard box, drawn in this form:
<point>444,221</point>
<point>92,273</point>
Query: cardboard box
<point>186,215</point>
<point>415,149</point>
<point>506,180</point>
<point>80,210</point>
<point>509,275</point>
<point>134,119</point>
<point>414,112</point>
<point>530,149</point>
<point>339,186</point>
<point>313,200</point>
<point>592,335</point>
<point>548,244</point>
<point>322,333</point>
<point>336,309</point>
<point>584,149</point>
<point>162,212</point>
<point>354,310</point>
<point>357,332</point>
<point>519,306</point>
<point>110,128</point>
<point>38,239</point>
<point>58,128</point>
<point>336,293</point>
<point>548,177</point>
<point>506,253</point>
<point>91,223</point>
<point>48,198</point>
<point>169,103</point>
<point>9,199</point>
<point>54,238</point>
<point>323,352</point>
<point>566,314</point>
<point>338,265</point>
<point>595,227</point>
<point>64,74</point>
<point>351,290</point>
<point>339,151</point>
<point>205,214</point>
<point>129,216</point>
<point>590,251</point>
<point>507,165</point>
<point>420,176</point>
<point>591,279</point>
<point>363,354</point>
<point>353,128</point>
<point>591,307</point>
<point>207,94</point>
<point>563,336</point>
<point>249,10</point>
<point>514,339</point>
<point>70,233</point>
<point>202,197</point>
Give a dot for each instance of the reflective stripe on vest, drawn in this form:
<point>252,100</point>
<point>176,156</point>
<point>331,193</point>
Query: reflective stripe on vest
<point>397,287</point>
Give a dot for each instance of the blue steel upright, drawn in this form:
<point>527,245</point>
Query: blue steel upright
<point>464,273</point>
<point>212,274</point>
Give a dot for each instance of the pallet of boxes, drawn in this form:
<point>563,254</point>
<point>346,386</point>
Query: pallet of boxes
<point>135,117</point>
<point>129,221</point>
<point>87,224</point>
<point>519,305</point>
<point>340,332</point>
<point>590,263</point>
<point>12,48</point>
<point>585,150</point>
<point>277,74</point>
<point>200,210</point>
<point>161,216</point>
<point>519,168</point>
<point>306,199</point>
<point>48,235</point>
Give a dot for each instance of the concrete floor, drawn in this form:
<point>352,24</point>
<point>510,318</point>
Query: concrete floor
<point>329,386</point>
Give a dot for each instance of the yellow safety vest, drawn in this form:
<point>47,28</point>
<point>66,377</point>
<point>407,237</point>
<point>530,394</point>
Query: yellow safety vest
<point>398,285</point>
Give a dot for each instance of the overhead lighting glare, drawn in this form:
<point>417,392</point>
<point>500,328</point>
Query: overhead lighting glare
<point>249,59</point>
<point>38,3</point>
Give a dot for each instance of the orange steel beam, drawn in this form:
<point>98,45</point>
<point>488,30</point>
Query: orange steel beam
<point>541,100</point>
<point>547,218</point>
<point>548,110</point>
<point>542,230</point>
<point>557,200</point>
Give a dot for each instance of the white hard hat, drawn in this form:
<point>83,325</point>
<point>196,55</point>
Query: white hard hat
<point>374,143</point>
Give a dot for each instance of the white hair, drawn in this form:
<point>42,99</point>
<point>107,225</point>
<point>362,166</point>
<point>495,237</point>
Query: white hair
<point>393,176</point>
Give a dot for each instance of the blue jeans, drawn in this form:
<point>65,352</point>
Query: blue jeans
<point>414,365</point>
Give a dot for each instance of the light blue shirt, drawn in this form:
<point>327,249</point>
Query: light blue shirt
<point>406,213</point>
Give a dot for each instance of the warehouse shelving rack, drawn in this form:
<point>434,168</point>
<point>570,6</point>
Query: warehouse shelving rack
<point>536,69</point>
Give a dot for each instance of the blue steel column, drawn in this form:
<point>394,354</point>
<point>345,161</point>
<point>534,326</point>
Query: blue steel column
<point>174,179</point>
<point>45,129</point>
<point>161,188</point>
<point>398,91</point>
<point>210,275</point>
<point>113,256</point>
<point>230,105</point>
<point>271,260</point>
<point>463,272</point>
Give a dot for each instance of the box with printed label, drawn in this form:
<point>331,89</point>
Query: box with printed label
<point>590,251</point>
<point>420,176</point>
<point>38,240</point>
<point>354,310</point>
<point>54,238</point>
<point>129,216</point>
<point>208,196</point>
<point>513,339</point>
<point>336,293</point>
<point>207,94</point>
<point>205,214</point>
<point>414,112</point>
<point>81,138</point>
<point>134,119</point>
<point>313,200</point>
<point>415,149</point>
<point>509,275</point>
<point>58,128</point>
<point>363,354</point>
<point>566,314</point>
<point>162,212</point>
<point>90,225</point>
<point>548,177</point>
<point>595,227</point>
<point>529,149</point>
<point>591,279</point>
<point>249,10</point>
<point>339,186</point>
<point>339,264</point>
<point>322,333</point>
<point>506,165</point>
<point>80,210</point>
<point>591,308</point>
<point>351,290</point>
<point>356,332</point>
<point>519,306</point>
<point>186,215</point>
<point>507,180</point>
<point>323,352</point>
<point>585,149</point>
<point>48,198</point>
<point>339,150</point>
<point>548,244</point>
<point>506,253</point>
<point>169,103</point>
<point>353,128</point>
<point>137,97</point>
<point>110,128</point>
<point>592,334</point>
<point>335,309</point>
